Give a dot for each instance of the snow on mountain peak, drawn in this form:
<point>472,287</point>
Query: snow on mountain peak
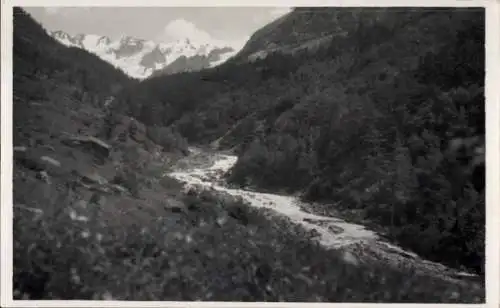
<point>140,58</point>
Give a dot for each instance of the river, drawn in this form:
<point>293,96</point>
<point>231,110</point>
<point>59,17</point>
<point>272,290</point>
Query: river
<point>357,243</point>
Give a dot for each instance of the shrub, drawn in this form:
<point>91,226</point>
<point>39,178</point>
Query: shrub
<point>169,139</point>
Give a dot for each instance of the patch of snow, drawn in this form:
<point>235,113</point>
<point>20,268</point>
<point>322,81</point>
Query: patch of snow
<point>223,58</point>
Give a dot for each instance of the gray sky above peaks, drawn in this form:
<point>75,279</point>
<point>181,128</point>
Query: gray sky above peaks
<point>158,23</point>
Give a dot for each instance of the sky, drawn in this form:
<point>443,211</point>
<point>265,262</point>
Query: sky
<point>158,23</point>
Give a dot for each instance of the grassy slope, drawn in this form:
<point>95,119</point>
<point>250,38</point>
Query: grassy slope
<point>196,252</point>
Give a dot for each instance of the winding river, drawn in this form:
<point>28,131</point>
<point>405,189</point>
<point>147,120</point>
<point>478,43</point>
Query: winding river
<point>357,243</point>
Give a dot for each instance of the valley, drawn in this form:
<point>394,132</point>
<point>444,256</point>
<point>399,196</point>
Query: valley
<point>337,157</point>
<point>357,243</point>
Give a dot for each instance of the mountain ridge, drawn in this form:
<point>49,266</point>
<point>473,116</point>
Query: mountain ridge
<point>140,58</point>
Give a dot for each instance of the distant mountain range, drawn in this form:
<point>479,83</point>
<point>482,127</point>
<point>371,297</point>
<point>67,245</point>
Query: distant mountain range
<point>141,59</point>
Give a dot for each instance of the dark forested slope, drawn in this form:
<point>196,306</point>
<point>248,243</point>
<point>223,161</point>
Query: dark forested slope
<point>52,75</point>
<point>385,117</point>
<point>37,53</point>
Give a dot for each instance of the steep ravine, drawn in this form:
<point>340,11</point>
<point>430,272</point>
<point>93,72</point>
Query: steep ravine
<point>357,242</point>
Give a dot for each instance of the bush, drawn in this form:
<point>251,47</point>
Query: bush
<point>169,139</point>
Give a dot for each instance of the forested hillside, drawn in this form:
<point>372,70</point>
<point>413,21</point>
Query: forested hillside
<point>384,119</point>
<point>38,54</point>
<point>55,76</point>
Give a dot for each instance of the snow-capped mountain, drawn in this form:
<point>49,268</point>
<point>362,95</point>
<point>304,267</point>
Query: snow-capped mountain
<point>141,58</point>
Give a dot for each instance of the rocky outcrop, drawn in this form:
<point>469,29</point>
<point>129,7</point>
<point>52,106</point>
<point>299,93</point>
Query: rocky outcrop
<point>96,146</point>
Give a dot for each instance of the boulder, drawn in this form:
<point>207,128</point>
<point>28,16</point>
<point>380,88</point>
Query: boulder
<point>350,258</point>
<point>92,144</point>
<point>174,205</point>
<point>94,178</point>
<point>335,229</point>
<point>51,161</point>
<point>89,177</point>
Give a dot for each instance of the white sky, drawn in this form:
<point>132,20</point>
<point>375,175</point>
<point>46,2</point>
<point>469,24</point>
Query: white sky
<point>158,23</point>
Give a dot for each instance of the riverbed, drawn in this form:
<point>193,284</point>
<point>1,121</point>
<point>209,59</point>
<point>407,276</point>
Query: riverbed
<point>358,243</point>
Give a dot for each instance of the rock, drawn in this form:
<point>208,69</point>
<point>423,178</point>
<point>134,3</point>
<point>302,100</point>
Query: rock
<point>350,258</point>
<point>335,229</point>
<point>174,206</point>
<point>191,189</point>
<point>50,148</point>
<point>42,175</point>
<point>36,211</point>
<point>90,143</point>
<point>50,161</point>
<point>104,189</point>
<point>221,221</point>
<point>19,149</point>
<point>119,188</point>
<point>91,177</point>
